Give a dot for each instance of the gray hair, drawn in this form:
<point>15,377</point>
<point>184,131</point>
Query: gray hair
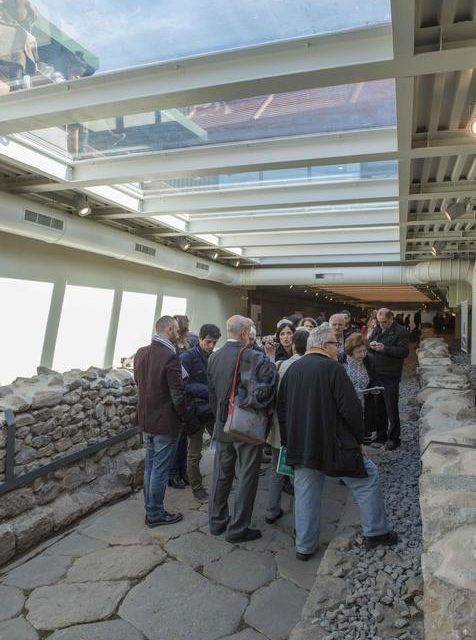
<point>318,336</point>
<point>164,323</point>
<point>236,324</point>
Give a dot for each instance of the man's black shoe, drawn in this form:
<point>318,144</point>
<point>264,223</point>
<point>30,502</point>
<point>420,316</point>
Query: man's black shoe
<point>167,518</point>
<point>387,539</point>
<point>177,482</point>
<point>249,534</point>
<point>274,518</point>
<point>303,556</point>
<point>392,444</point>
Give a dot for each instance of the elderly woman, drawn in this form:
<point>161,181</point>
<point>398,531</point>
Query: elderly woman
<point>361,370</point>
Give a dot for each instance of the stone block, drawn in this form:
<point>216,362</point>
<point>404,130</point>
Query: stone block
<point>76,545</point>
<point>33,527</point>
<point>16,403</point>
<point>7,543</point>
<point>65,511</point>
<point>17,629</point>
<point>197,549</point>
<point>63,444</point>
<point>24,420</point>
<point>11,602</point>
<point>74,603</point>
<point>176,603</point>
<point>25,455</point>
<point>108,630</point>
<point>39,571</point>
<point>47,492</point>
<point>242,570</point>
<point>16,502</point>
<point>46,399</point>
<point>116,563</point>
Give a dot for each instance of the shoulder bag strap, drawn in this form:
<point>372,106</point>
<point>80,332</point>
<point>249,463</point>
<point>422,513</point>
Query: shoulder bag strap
<point>235,376</point>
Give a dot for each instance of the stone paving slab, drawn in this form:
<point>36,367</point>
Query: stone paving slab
<point>303,574</point>
<point>17,629</point>
<point>38,572</point>
<point>246,634</point>
<point>196,549</point>
<point>76,545</point>
<point>192,520</point>
<point>116,563</point>
<point>243,570</point>
<point>11,602</point>
<point>109,630</point>
<point>176,603</point>
<point>276,609</point>
<point>51,608</point>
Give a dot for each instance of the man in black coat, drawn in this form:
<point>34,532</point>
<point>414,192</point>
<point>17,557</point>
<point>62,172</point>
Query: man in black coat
<point>390,348</point>
<point>321,424</point>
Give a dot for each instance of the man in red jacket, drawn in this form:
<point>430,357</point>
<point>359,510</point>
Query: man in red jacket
<point>161,410</point>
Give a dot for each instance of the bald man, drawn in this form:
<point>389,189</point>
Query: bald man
<point>231,455</point>
<point>390,348</point>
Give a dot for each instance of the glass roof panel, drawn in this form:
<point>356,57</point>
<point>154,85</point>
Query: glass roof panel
<point>366,105</point>
<point>275,177</point>
<point>67,39</point>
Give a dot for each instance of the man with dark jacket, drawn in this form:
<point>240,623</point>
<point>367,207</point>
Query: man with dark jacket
<point>195,362</point>
<point>390,348</point>
<point>230,453</point>
<point>161,409</point>
<point>321,424</point>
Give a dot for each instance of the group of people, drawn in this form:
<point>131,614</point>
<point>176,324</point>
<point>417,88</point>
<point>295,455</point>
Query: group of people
<point>323,390</point>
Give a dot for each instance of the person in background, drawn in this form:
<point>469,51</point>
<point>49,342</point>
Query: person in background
<point>371,326</point>
<point>407,322</point>
<point>337,325</point>
<point>321,318</point>
<point>278,480</point>
<point>252,342</point>
<point>390,347</point>
<point>187,339</point>
<point>317,406</point>
<point>417,321</point>
<point>360,368</point>
<point>283,339</point>
<point>350,327</point>
<point>307,323</point>
<point>161,410</point>
<point>195,362</point>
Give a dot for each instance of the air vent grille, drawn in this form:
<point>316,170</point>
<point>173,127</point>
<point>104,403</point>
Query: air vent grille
<point>203,266</point>
<point>329,276</point>
<point>143,248</point>
<point>45,221</point>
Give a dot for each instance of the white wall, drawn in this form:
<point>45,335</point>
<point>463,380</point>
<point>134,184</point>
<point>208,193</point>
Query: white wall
<point>66,308</point>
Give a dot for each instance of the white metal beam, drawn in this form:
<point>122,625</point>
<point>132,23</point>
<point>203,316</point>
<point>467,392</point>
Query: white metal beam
<point>325,236</point>
<point>287,221</point>
<point>34,158</point>
<point>371,258</point>
<point>252,155</point>
<point>342,248</point>
<point>301,63</point>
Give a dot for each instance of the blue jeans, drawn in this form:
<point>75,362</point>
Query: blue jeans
<point>159,456</point>
<point>308,485</point>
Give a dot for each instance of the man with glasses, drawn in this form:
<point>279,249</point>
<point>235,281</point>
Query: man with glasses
<point>320,414</point>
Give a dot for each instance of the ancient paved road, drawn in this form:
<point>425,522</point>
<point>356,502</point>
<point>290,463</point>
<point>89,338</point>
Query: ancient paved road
<point>112,578</point>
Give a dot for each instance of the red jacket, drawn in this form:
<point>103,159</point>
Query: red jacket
<point>161,406</point>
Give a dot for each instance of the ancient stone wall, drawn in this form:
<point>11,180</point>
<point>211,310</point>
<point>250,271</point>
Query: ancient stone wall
<point>447,493</point>
<point>56,416</point>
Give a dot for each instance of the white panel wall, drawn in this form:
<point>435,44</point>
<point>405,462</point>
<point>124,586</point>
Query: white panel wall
<point>75,309</point>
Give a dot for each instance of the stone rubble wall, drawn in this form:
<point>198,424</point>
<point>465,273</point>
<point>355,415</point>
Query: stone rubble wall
<point>447,493</point>
<point>57,415</point>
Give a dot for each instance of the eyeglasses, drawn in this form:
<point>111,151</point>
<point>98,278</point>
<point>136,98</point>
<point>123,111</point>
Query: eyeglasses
<point>331,343</point>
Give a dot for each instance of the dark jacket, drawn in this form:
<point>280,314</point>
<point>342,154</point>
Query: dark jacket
<point>281,354</point>
<point>389,362</point>
<point>161,405</point>
<point>316,405</point>
<point>371,403</point>
<point>195,362</point>
<point>254,392</point>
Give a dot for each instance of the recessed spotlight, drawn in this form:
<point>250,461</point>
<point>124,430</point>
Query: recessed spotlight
<point>237,263</point>
<point>215,256</point>
<point>291,286</point>
<point>184,244</point>
<point>455,210</point>
<point>82,205</point>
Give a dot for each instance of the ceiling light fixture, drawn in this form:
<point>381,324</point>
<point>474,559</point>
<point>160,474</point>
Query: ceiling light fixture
<point>183,243</point>
<point>455,210</point>
<point>215,256</point>
<point>472,127</point>
<point>291,286</point>
<point>437,247</point>
<point>82,205</point>
<point>237,263</point>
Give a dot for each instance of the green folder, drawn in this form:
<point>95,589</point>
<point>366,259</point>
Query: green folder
<point>282,467</point>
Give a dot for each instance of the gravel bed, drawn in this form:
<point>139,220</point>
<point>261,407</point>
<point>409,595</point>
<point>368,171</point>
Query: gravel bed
<point>386,583</point>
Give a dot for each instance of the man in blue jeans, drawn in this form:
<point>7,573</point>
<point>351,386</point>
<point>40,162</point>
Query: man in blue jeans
<point>321,424</point>
<point>161,410</point>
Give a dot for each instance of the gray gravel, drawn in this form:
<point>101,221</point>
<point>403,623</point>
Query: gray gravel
<point>385,583</point>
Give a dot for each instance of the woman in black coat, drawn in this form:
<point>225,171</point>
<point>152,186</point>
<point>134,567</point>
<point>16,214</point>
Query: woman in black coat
<point>284,340</point>
<point>360,368</point>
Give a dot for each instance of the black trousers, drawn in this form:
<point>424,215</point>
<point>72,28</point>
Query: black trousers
<point>391,385</point>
